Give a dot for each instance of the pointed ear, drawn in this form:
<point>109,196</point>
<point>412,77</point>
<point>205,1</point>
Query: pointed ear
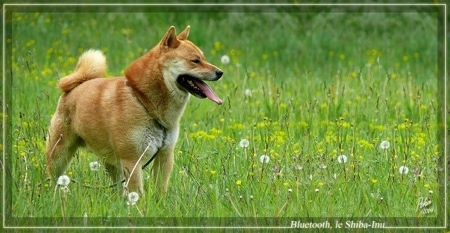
<point>170,40</point>
<point>184,34</point>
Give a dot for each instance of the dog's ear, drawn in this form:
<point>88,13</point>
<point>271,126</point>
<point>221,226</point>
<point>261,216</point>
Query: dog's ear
<point>184,34</point>
<point>169,40</point>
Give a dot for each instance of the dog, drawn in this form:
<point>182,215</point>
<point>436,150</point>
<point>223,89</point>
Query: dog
<point>132,120</point>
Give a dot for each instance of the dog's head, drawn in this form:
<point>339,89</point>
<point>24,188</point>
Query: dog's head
<point>185,65</point>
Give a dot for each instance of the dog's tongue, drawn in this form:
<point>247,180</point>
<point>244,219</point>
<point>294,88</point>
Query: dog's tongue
<point>208,92</point>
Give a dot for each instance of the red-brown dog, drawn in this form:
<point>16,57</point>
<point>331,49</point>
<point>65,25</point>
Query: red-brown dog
<point>121,118</point>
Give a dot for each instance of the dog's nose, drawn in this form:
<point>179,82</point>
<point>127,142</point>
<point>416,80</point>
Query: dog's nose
<point>219,73</point>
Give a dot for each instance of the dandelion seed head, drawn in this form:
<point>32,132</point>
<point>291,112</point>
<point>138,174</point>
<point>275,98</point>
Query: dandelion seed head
<point>384,145</point>
<point>225,59</point>
<point>63,180</point>
<point>264,159</point>
<point>342,159</point>
<point>133,197</point>
<point>95,166</point>
<point>244,143</point>
<point>248,93</point>
<point>403,170</point>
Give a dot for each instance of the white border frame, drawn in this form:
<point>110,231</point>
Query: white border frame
<point>220,4</point>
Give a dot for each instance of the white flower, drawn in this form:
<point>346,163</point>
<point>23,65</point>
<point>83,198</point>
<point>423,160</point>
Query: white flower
<point>95,166</point>
<point>264,159</point>
<point>247,93</point>
<point>225,59</point>
<point>133,197</point>
<point>244,143</point>
<point>403,170</point>
<point>323,166</point>
<point>299,167</point>
<point>63,180</point>
<point>384,145</point>
<point>342,158</point>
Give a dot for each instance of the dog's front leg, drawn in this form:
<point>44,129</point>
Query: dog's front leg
<point>162,168</point>
<point>133,181</point>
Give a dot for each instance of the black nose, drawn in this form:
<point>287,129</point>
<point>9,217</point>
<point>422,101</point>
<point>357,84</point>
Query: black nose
<point>219,73</point>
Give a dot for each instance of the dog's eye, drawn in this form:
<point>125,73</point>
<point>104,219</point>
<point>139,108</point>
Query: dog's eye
<point>196,61</point>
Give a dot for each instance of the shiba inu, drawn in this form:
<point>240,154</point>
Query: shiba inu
<point>130,120</point>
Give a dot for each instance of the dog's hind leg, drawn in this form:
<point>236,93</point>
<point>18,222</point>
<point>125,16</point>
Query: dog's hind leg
<point>61,146</point>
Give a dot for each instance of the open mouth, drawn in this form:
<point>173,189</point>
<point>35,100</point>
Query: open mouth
<point>197,88</point>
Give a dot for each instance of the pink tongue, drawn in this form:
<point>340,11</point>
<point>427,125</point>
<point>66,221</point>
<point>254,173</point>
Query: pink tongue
<point>208,92</point>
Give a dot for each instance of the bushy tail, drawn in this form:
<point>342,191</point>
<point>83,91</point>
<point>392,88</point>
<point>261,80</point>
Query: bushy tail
<point>92,64</point>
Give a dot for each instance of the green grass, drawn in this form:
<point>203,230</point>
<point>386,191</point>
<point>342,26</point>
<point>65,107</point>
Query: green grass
<point>321,85</point>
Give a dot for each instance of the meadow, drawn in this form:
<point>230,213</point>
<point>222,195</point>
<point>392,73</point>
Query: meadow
<point>326,114</point>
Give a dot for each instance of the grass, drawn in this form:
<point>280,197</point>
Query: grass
<point>304,89</point>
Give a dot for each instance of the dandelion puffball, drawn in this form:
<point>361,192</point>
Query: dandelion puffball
<point>63,180</point>
<point>384,145</point>
<point>342,159</point>
<point>133,197</point>
<point>264,159</point>
<point>225,59</point>
<point>248,93</point>
<point>244,143</point>
<point>95,166</point>
<point>403,170</point>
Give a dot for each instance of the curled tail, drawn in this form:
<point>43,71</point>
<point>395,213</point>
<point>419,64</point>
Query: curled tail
<point>92,64</point>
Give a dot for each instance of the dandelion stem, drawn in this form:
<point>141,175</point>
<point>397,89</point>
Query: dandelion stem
<point>234,206</point>
<point>53,149</point>
<point>137,163</point>
<point>63,203</point>
<point>282,208</point>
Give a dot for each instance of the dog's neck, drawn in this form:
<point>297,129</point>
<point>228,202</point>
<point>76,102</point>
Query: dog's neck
<point>155,108</point>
